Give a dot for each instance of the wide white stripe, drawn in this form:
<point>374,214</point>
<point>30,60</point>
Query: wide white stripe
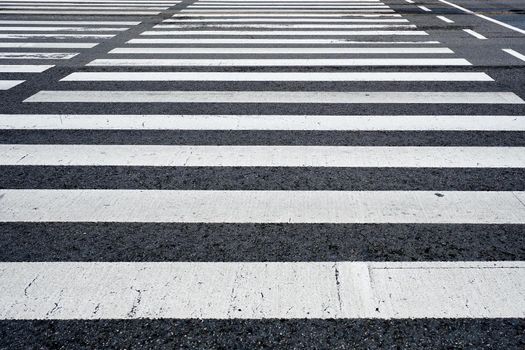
<point>81,8</point>
<point>39,5</point>
<point>24,68</point>
<point>275,41</point>
<point>277,76</point>
<point>48,45</point>
<point>424,8</point>
<point>8,84</point>
<point>285,62</point>
<point>515,54</point>
<point>37,55</point>
<point>280,50</point>
<point>474,34</point>
<point>286,26</point>
<point>260,290</point>
<point>263,156</point>
<point>55,12</point>
<point>445,207</point>
<point>382,97</point>
<point>287,6</point>
<point>445,19</point>
<point>58,29</point>
<point>286,32</point>
<point>70,22</point>
<point>286,20</point>
<point>262,122</point>
<point>287,15</point>
<point>102,1</point>
<point>56,36</point>
<point>312,11</point>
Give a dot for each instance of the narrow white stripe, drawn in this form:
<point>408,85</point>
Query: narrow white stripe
<point>261,122</point>
<point>275,290</point>
<point>283,62</point>
<point>285,20</point>
<point>24,68</point>
<point>275,97</point>
<point>508,26</point>
<point>286,32</point>
<point>70,22</point>
<point>37,55</point>
<point>285,26</point>
<point>474,34</point>
<point>58,29</point>
<point>287,15</point>
<point>8,84</point>
<point>424,8</point>
<point>287,6</point>
<point>445,19</point>
<point>48,5</point>
<point>56,35</point>
<point>275,41</point>
<point>448,207</point>
<point>263,156</point>
<point>277,76</point>
<point>280,50</point>
<point>312,11</point>
<point>515,54</point>
<point>409,1</point>
<point>81,8</point>
<point>55,12</point>
<point>101,1</point>
<point>48,45</point>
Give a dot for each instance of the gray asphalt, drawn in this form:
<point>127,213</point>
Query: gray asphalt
<point>273,242</point>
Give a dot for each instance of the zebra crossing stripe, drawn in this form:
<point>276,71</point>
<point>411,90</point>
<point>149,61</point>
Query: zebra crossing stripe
<point>58,29</point>
<point>38,55</point>
<point>8,84</point>
<point>281,50</point>
<point>275,41</point>
<point>285,32</point>
<point>24,68</point>
<point>48,45</point>
<point>285,26</point>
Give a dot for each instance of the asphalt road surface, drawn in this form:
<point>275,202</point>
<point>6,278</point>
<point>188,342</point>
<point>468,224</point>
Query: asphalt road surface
<point>227,174</point>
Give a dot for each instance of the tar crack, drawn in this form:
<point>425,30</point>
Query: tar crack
<point>29,285</point>
<point>338,286</point>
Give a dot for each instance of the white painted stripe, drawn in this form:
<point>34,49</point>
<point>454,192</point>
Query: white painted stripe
<point>341,15</point>
<point>286,32</point>
<point>445,19</point>
<point>424,8</point>
<point>277,76</point>
<point>101,1</point>
<point>274,41</point>
<point>508,26</point>
<point>48,45</point>
<point>56,35</point>
<point>286,26</point>
<point>55,12</point>
<point>262,122</point>
<point>281,50</point>
<point>409,1</point>
<point>311,11</point>
<point>70,22</point>
<point>58,29</point>
<point>263,156</point>
<point>8,84</point>
<point>515,54</point>
<point>287,6</point>
<point>449,207</point>
<point>395,97</point>
<point>261,290</point>
<point>24,68</point>
<point>47,5</point>
<point>286,20</point>
<point>283,62</point>
<point>37,55</point>
<point>81,8</point>
<point>474,34</point>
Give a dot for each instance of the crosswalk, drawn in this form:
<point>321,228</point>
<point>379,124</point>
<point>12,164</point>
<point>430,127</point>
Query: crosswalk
<point>232,122</point>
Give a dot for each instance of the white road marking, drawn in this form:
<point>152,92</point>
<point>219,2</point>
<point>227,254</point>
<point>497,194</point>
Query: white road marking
<point>263,156</point>
<point>287,20</point>
<point>508,26</point>
<point>424,8</point>
<point>56,12</point>
<point>65,29</point>
<point>326,8</point>
<point>277,76</point>
<point>445,19</point>
<point>287,15</point>
<point>285,26</point>
<point>262,122</point>
<point>280,50</point>
<point>285,62</point>
<point>311,11</point>
<point>81,8</point>
<point>285,32</point>
<point>102,1</point>
<point>515,54</point>
<point>8,84</point>
<point>24,68</point>
<point>96,23</point>
<point>275,41</point>
<point>363,97</point>
<point>445,207</point>
<point>37,55</point>
<point>48,45</point>
<point>474,34</point>
<point>56,35</point>
<point>261,290</point>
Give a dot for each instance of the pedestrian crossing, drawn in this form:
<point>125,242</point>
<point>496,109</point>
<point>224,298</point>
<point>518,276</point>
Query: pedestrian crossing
<point>276,159</point>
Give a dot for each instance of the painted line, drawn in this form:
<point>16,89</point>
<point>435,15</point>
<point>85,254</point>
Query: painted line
<point>285,20</point>
<point>384,97</point>
<point>275,41</point>
<point>261,290</point>
<point>81,8</point>
<point>70,22</point>
<point>286,32</point>
<point>56,35</point>
<point>445,19</point>
<point>282,62</point>
<point>165,3</point>
<point>277,76</point>
<point>515,54</point>
<point>37,55</point>
<point>55,12</point>
<point>445,207</point>
<point>263,156</point>
<point>48,45</point>
<point>58,29</point>
<point>287,15</point>
<point>424,8</point>
<point>409,1</point>
<point>281,50</point>
<point>8,84</point>
<point>474,34</point>
<point>285,26</point>
<point>508,26</point>
<point>24,68</point>
<point>312,11</point>
<point>262,122</point>
<point>264,8</point>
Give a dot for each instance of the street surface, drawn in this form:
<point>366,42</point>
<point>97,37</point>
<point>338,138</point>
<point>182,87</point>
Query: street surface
<point>248,174</point>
